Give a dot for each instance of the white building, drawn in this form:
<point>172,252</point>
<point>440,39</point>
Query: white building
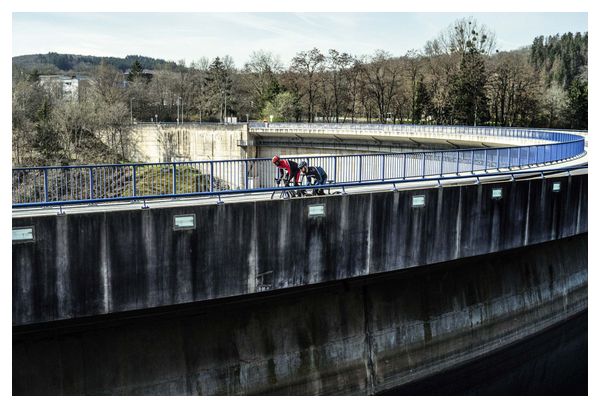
<point>67,86</point>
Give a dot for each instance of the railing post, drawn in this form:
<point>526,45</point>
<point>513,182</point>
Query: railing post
<point>246,173</point>
<point>528,161</point>
<point>485,161</point>
<point>423,168</point>
<point>472,161</point>
<point>91,183</point>
<point>509,150</point>
<point>335,168</point>
<point>134,180</point>
<point>457,162</point>
<point>519,157</point>
<point>212,165</point>
<point>498,159</point>
<point>360,169</point>
<point>174,178</point>
<point>442,165</point>
<point>46,185</point>
<point>383,167</point>
<point>543,153</point>
<point>404,167</point>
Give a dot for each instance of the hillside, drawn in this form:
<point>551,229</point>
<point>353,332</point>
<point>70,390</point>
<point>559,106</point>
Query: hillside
<point>54,63</point>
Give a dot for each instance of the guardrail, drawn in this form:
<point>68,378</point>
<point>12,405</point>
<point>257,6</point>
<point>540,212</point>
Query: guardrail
<point>412,130</point>
<point>61,185</point>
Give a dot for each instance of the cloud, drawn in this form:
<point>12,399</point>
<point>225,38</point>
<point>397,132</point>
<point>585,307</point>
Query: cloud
<point>190,36</point>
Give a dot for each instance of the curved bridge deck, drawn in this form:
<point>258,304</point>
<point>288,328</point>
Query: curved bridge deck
<point>67,185</point>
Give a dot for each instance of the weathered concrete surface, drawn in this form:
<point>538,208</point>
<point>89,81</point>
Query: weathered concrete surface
<point>190,141</point>
<point>206,141</point>
<point>99,263</point>
<point>193,141</point>
<point>359,336</point>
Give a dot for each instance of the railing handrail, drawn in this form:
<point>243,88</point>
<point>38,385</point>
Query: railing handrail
<point>527,173</point>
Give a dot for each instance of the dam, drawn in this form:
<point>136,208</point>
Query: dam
<point>420,259</point>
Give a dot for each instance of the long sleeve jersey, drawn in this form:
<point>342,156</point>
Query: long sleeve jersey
<point>317,174</point>
<point>291,167</point>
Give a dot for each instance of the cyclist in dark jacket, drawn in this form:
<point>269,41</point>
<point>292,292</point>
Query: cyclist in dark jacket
<point>314,175</point>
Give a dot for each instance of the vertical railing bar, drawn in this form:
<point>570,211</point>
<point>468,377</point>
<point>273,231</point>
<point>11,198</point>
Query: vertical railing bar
<point>335,168</point>
<point>457,162</point>
<point>174,178</point>
<point>34,186</point>
<point>91,174</point>
<point>360,169</point>
<point>543,154</point>
<point>485,161</point>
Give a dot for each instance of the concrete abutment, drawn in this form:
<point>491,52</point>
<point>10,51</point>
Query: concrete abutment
<point>359,336</point>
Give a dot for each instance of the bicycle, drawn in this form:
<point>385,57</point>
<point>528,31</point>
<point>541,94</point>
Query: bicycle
<point>324,190</point>
<point>286,194</point>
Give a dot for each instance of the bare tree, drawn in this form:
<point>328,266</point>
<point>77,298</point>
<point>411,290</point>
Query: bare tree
<point>261,73</point>
<point>461,35</point>
<point>308,64</point>
<point>383,77</point>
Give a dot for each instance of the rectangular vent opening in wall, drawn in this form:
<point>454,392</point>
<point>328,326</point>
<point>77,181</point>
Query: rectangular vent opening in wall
<point>418,201</point>
<point>22,234</point>
<point>316,210</point>
<point>497,193</point>
<point>184,222</point>
<point>556,186</point>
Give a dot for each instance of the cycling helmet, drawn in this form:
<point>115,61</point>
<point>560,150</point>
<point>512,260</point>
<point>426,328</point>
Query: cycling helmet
<point>275,159</point>
<point>303,164</point>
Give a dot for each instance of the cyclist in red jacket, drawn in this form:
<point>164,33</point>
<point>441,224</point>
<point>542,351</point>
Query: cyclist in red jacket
<point>291,169</point>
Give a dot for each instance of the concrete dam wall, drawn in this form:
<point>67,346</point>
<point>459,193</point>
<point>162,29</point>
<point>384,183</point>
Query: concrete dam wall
<point>275,297</point>
<point>87,264</point>
<point>358,336</point>
<point>204,141</point>
<point>170,142</point>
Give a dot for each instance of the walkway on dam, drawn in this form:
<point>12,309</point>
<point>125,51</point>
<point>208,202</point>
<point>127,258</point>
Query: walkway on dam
<point>99,184</point>
<point>267,296</point>
<point>490,177</point>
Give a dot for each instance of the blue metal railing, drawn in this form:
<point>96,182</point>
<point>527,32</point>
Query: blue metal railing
<point>44,186</point>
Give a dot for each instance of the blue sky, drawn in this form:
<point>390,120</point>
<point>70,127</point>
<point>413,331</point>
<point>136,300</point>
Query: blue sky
<point>189,36</point>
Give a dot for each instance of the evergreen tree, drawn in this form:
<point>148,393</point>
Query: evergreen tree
<point>422,102</point>
<point>217,86</point>
<point>578,104</point>
<point>135,72</point>
<point>468,88</point>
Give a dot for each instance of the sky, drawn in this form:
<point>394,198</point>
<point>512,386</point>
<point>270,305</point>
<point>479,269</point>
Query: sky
<point>189,36</point>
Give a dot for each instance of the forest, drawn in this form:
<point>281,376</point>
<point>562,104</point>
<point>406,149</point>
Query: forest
<point>457,78</point>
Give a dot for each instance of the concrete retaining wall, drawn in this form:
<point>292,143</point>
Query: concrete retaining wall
<point>100,263</point>
<point>169,142</point>
<point>204,141</point>
<point>359,336</point>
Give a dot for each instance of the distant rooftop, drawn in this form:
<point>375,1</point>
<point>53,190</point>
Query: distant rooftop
<point>63,77</point>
